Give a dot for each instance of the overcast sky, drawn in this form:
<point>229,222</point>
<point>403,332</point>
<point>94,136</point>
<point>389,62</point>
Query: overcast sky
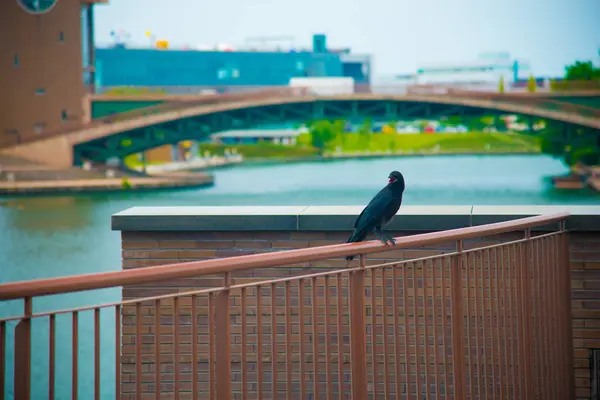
<point>401,34</point>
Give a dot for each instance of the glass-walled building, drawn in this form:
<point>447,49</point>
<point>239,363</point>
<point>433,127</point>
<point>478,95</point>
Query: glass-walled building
<point>187,70</point>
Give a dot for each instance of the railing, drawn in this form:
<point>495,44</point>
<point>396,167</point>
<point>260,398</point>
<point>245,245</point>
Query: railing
<point>207,99</point>
<point>530,100</point>
<point>479,320</point>
<point>183,102</point>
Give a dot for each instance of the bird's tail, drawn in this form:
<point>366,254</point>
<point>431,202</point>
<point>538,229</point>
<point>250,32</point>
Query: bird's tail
<point>357,236</point>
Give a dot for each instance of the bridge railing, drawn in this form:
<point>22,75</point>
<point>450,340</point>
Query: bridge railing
<point>182,102</point>
<point>478,319</point>
<point>529,99</point>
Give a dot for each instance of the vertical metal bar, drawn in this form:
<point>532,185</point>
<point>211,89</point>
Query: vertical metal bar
<point>340,365</point>
<point>138,350</point>
<point>541,392</point>
<point>273,340</point>
<point>436,352</point>
<point>565,313</point>
<point>51,358</point>
<point>519,303</point>
<point>470,357</point>
<point>75,356</point>
<point>301,338</point>
<point>288,341</point>
<point>22,357</point>
<point>176,382</point>
<point>117,352</point>
<point>568,325</point>
<point>496,327</point>
<point>425,323</point>
<point>554,320</point>
<point>476,283</point>
<point>560,351</point>
<point>545,279</point>
<point>374,366</point>
<point>315,337</point>
<point>493,316</point>
<point>479,326</point>
<point>194,340</point>
<point>157,343</point>
<point>3,358</point>
<point>505,316</point>
<point>386,374</point>
<point>406,328</point>
<point>211,349</point>
<point>358,342</point>
<point>396,330</point>
<point>223,341</point>
<point>96,353</point>
<point>512,345</point>
<point>528,307</point>
<point>244,345</point>
<point>445,261</point>
<point>458,325</point>
<point>415,295</point>
<point>327,333</point>
<point>485,270</point>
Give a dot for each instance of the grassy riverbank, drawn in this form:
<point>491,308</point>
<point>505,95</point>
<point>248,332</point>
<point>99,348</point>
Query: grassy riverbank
<point>446,143</point>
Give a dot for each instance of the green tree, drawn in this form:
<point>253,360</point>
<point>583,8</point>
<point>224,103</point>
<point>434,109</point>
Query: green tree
<point>501,84</point>
<point>531,84</point>
<point>582,71</point>
<point>365,132</point>
<point>323,133</point>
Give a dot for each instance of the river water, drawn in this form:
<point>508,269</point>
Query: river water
<point>67,235</point>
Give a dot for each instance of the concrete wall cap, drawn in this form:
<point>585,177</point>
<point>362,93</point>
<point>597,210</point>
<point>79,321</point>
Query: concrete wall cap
<point>336,218</point>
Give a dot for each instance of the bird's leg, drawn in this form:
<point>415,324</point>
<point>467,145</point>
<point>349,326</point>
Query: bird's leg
<point>389,238</point>
<point>384,237</point>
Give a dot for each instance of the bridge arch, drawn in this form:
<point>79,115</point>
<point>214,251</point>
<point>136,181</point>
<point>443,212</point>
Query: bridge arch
<point>113,138</point>
<point>124,138</point>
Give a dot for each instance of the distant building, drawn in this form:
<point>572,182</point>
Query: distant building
<point>185,70</point>
<point>485,70</point>
<point>276,136</point>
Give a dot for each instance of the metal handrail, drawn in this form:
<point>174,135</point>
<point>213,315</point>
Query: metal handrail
<point>51,286</point>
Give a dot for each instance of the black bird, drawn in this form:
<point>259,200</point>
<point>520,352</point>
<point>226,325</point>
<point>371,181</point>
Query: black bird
<point>379,212</point>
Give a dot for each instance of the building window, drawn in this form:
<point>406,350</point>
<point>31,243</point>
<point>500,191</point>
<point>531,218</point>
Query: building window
<point>40,91</point>
<point>222,73</point>
<point>63,115</point>
<point>61,36</point>
<point>16,60</point>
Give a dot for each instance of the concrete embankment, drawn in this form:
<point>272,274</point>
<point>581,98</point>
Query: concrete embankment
<point>104,185</point>
<point>23,178</point>
<point>581,177</point>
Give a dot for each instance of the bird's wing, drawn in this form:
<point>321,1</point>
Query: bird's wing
<point>375,210</point>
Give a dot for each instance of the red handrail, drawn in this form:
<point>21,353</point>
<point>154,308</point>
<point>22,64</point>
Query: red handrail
<point>42,287</point>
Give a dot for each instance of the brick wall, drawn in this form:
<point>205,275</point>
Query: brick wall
<point>142,249</point>
<point>585,272</point>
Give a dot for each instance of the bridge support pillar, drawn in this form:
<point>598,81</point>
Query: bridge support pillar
<point>195,150</point>
<point>175,152</point>
<point>56,151</point>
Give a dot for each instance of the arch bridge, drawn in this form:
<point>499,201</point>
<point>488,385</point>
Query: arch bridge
<point>150,127</point>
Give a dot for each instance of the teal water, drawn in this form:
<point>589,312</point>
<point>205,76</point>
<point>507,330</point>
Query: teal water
<point>67,235</point>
